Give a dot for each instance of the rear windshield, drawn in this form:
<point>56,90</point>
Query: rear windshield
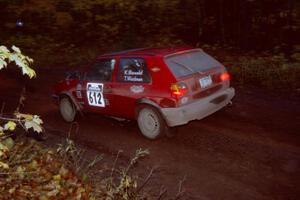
<point>190,62</point>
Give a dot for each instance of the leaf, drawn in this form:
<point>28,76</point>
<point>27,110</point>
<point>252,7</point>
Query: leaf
<point>12,190</point>
<point>18,58</point>
<point>35,124</point>
<point>85,178</point>
<point>3,147</point>
<point>20,171</point>
<point>10,126</point>
<point>63,171</point>
<point>31,124</point>
<point>24,116</point>
<point>3,49</point>
<point>37,119</point>
<point>4,165</point>
<point>28,71</point>
<point>21,61</point>
<point>2,63</point>
<point>79,191</point>
<point>9,143</point>
<point>33,164</point>
<point>1,131</point>
<point>43,198</point>
<point>16,49</point>
<point>1,153</point>
<point>57,177</point>
<point>53,193</point>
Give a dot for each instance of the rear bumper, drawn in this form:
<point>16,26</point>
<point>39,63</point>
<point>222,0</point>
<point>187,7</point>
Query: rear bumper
<point>199,109</point>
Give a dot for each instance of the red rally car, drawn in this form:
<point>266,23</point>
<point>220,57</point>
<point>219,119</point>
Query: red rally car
<point>159,87</point>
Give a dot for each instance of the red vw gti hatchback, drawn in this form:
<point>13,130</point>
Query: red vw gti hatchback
<point>160,88</point>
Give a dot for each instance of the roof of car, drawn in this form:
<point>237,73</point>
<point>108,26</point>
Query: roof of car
<point>149,51</point>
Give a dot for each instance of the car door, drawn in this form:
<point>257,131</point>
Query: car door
<point>97,86</point>
<point>132,82</point>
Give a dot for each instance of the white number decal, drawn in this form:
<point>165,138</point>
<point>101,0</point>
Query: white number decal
<point>94,92</point>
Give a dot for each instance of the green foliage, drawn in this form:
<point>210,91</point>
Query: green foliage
<point>74,31</point>
<point>16,56</point>
<point>27,121</point>
<point>33,122</point>
<point>265,72</point>
<point>119,24</point>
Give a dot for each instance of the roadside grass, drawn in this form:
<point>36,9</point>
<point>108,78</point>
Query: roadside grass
<point>119,180</point>
<point>271,73</point>
<point>271,70</point>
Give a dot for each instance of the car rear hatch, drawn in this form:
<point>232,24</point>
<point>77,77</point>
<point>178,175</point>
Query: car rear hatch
<point>198,75</point>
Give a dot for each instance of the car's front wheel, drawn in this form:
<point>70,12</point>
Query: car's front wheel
<point>67,109</point>
<point>150,122</point>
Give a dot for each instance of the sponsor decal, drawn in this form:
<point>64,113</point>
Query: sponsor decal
<point>137,89</point>
<point>130,72</point>
<point>133,79</point>
<point>155,69</point>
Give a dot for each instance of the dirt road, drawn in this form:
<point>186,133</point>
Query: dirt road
<point>248,151</point>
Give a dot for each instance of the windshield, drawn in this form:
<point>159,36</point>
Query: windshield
<point>190,62</point>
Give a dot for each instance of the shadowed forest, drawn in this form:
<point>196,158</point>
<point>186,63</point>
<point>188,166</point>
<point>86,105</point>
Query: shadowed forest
<point>79,30</point>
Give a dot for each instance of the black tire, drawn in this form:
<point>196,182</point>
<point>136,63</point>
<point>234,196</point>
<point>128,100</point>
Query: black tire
<point>150,122</point>
<point>67,109</point>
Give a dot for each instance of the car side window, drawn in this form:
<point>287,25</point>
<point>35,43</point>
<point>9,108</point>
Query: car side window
<point>101,70</point>
<point>133,70</point>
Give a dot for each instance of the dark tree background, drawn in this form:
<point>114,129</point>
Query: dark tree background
<point>67,25</point>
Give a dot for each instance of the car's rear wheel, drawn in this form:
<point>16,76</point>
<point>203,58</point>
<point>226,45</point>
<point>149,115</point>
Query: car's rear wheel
<point>67,109</point>
<point>150,122</point>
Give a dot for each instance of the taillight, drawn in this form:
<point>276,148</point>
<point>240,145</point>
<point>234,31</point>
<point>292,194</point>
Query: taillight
<point>225,76</point>
<point>179,89</point>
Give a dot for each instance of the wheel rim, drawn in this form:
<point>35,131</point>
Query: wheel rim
<point>149,123</point>
<point>67,110</point>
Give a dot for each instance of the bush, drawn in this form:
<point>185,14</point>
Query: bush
<point>275,73</point>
